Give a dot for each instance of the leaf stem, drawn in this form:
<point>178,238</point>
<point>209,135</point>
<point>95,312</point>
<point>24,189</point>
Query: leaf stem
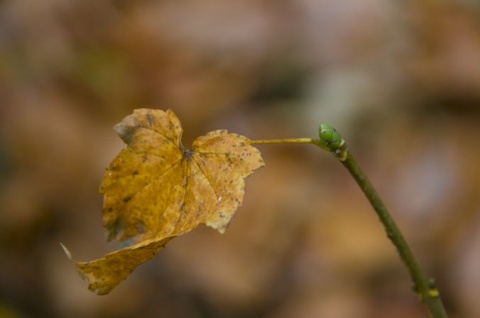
<point>288,141</point>
<point>283,141</point>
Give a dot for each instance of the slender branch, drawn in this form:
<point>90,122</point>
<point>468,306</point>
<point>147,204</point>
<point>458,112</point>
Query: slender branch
<point>331,140</point>
<point>425,288</point>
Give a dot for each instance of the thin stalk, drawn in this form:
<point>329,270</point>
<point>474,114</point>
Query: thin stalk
<point>288,141</point>
<point>425,288</point>
<point>283,141</point>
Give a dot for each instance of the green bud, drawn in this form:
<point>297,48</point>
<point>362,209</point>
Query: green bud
<point>330,137</point>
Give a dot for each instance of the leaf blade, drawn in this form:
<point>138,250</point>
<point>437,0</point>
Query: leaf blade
<point>156,189</point>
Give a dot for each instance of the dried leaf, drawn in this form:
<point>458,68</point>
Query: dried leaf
<point>156,189</point>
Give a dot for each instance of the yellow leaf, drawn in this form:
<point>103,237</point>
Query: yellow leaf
<point>156,189</point>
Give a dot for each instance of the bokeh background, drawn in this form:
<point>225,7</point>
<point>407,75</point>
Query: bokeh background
<point>399,79</point>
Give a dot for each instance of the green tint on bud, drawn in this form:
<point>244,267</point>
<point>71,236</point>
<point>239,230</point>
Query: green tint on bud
<point>330,137</point>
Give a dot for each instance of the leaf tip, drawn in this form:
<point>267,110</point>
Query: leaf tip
<point>66,251</point>
<point>124,131</point>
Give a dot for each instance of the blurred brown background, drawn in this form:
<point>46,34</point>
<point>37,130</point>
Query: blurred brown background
<point>399,79</point>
